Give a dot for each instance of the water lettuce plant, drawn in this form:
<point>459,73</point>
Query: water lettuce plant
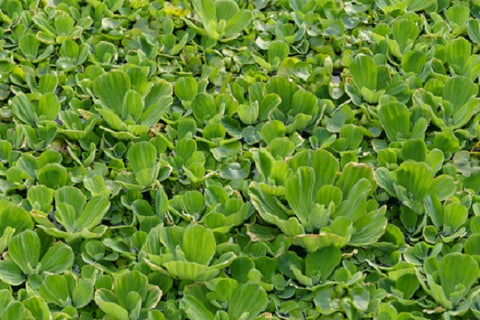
<point>239,159</point>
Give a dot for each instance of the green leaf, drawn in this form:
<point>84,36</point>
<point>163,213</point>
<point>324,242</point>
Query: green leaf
<point>247,302</point>
<point>267,105</point>
<point>112,309</point>
<point>457,14</point>
<point>414,61</point>
<point>325,165</point>
<point>314,242</point>
<point>237,23</point>
<point>305,102</point>
<point>404,31</point>
<point>24,250</point>
<point>352,174</point>
<point>416,177</point>
<point>71,196</point>
<point>360,298</point>
<point>395,120</point>
<point>29,46</point>
<point>23,109</point>
<point>40,197</point>
<point>419,5</point>
<point>58,259</point>
<point>16,310</point>
<point>10,273</point>
<point>474,30</point>
<point>277,51</point>
<point>83,293</point>
<point>198,244</point>
<point>284,88</point>
<point>248,113</point>
<point>204,107</point>
<point>458,90</point>
<point>37,307</point>
<point>192,202</point>
<point>138,78</point>
<point>272,211</point>
<point>142,155</point>
<point>195,309</point>
<point>54,289</point>
<point>369,228</point>
<point>132,105</point>
<point>111,88</point>
<point>129,281</point>
<point>454,216</point>
<point>272,129</point>
<point>157,103</point>
<point>457,53</point>
<point>364,72</point>
<point>53,175</point>
<point>450,278</point>
<point>48,106</point>
<point>472,245</point>
<point>207,11</point>
<point>190,270</point>
<point>65,215</point>
<point>320,264</point>
<point>186,88</point>
<point>414,149</point>
<point>299,193</point>
<point>16,218</point>
<point>93,213</point>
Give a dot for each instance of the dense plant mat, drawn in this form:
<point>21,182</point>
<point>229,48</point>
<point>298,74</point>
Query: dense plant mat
<point>263,159</point>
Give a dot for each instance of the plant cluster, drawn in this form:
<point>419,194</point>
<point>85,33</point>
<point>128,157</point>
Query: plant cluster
<point>239,159</point>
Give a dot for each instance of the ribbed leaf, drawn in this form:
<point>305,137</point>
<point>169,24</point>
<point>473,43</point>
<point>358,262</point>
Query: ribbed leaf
<point>186,88</point>
<point>351,174</point>
<point>237,23</point>
<point>198,244</point>
<point>113,310</point>
<point>93,213</point>
<point>23,109</point>
<point>132,105</point>
<point>325,165</point>
<point>10,273</point>
<point>404,31</point>
<point>38,308</point>
<point>250,299</point>
<point>299,193</point>
<point>416,177</point>
<point>458,90</point>
<point>395,120</point>
<point>111,88</point>
<point>457,53</point>
<point>457,269</point>
<point>321,263</point>
<point>283,88</point>
<point>15,217</point>
<point>204,107</point>
<point>24,250</point>
<point>130,281</point>
<point>142,155</point>
<point>369,228</point>
<point>190,270</point>
<point>48,106</point>
<point>195,309</point>
<point>474,30</point>
<point>55,290</point>
<point>364,72</point>
<point>58,259</point>
<point>53,175</point>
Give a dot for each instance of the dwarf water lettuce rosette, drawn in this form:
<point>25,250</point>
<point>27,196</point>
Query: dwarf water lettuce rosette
<point>239,159</point>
